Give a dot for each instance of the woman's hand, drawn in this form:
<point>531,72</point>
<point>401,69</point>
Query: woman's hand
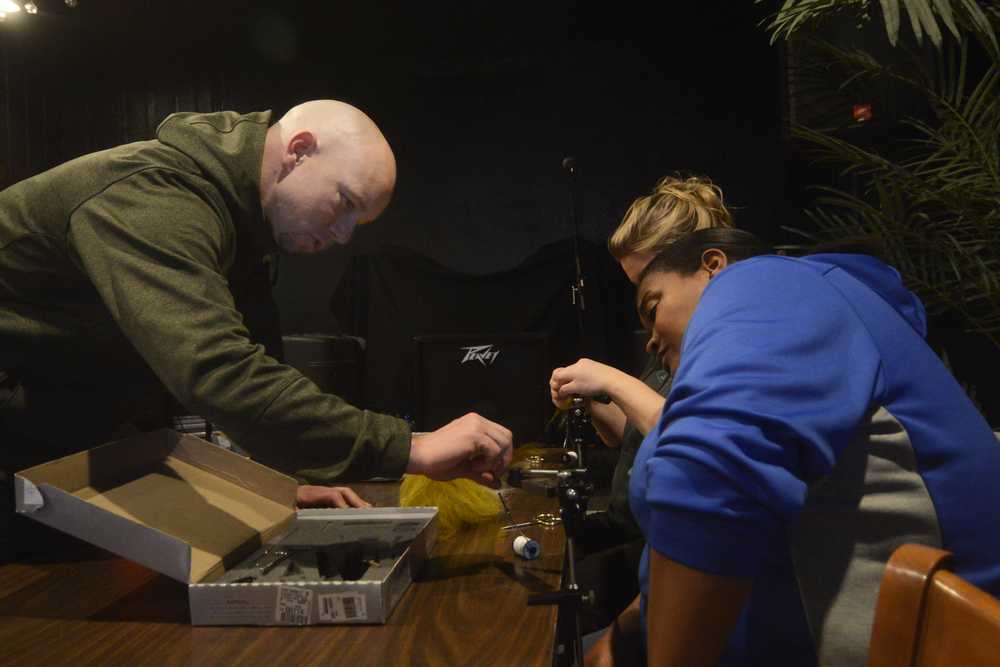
<point>586,378</point>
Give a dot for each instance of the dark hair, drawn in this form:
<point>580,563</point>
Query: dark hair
<point>868,244</point>
<point>683,256</point>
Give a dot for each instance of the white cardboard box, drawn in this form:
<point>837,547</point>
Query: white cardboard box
<point>198,514</point>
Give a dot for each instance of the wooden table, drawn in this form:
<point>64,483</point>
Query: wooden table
<point>467,608</point>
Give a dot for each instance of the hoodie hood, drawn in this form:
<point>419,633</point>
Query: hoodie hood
<point>880,278</point>
<point>229,149</point>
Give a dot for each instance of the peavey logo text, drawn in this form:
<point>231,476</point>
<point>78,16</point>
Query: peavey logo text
<point>484,354</point>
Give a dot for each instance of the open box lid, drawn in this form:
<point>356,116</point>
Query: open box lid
<point>172,502</point>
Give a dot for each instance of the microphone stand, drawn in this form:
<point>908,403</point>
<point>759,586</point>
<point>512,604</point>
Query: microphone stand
<point>576,289</point>
<point>574,489</point>
<point>576,422</point>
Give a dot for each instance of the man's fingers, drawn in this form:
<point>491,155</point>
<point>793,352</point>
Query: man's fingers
<point>484,478</point>
<point>351,498</point>
<point>488,438</point>
<point>502,461</point>
<point>489,479</point>
<point>336,499</point>
<point>508,455</point>
<point>503,439</point>
<point>486,452</point>
<point>481,425</point>
<point>497,432</point>
<point>329,496</point>
<point>472,447</point>
<point>500,435</point>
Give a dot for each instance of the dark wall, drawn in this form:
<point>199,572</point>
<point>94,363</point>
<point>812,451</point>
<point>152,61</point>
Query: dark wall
<point>480,100</point>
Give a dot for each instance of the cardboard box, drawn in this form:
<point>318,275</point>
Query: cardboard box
<point>206,517</point>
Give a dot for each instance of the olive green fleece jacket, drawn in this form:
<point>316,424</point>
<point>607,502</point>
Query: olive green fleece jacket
<point>132,250</point>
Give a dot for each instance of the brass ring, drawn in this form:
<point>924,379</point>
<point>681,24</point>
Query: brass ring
<point>547,519</point>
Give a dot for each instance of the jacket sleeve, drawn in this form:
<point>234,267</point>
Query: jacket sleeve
<point>776,373</point>
<point>156,247</point>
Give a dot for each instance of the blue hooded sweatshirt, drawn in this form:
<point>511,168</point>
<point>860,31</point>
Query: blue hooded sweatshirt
<point>810,431</point>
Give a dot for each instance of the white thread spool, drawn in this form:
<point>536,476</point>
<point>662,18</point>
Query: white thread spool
<point>527,548</point>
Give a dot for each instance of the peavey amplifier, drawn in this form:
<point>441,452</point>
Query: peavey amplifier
<point>503,377</point>
<point>335,363</point>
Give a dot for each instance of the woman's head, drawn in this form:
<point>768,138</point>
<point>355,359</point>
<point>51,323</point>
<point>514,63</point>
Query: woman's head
<point>671,285</point>
<point>675,207</point>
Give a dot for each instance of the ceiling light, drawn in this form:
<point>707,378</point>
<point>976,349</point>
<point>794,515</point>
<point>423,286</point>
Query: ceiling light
<point>30,7</point>
<point>8,7</point>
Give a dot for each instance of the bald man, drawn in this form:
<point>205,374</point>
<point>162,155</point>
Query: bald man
<point>326,168</point>
<point>117,276</point>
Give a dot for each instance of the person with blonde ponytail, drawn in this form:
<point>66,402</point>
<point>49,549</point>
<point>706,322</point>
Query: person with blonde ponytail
<point>612,541</point>
<point>675,207</point>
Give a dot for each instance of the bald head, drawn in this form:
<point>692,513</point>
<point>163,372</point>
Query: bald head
<point>329,118</point>
<point>326,168</point>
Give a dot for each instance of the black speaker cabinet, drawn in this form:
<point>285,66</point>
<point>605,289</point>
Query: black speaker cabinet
<point>334,363</point>
<point>503,377</point>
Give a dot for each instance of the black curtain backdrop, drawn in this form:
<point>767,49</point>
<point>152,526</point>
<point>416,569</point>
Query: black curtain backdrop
<point>481,101</point>
<point>390,297</point>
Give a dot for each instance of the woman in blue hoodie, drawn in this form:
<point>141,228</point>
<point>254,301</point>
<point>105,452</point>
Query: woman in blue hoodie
<point>809,432</point>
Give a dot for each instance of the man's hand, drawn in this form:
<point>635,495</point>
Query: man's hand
<point>471,446</point>
<point>328,496</point>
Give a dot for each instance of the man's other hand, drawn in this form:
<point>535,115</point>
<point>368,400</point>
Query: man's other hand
<point>328,496</point>
<point>471,446</point>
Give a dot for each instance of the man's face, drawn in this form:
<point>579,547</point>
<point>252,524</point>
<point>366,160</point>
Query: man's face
<point>666,302</point>
<point>322,198</point>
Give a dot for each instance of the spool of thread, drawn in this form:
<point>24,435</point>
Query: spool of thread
<point>527,548</point>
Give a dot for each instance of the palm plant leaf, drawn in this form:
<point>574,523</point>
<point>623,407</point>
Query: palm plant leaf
<point>922,18</point>
<point>890,13</point>
<point>936,211</point>
<point>981,24</point>
<point>933,200</point>
<point>943,8</point>
<point>924,15</point>
<point>794,14</point>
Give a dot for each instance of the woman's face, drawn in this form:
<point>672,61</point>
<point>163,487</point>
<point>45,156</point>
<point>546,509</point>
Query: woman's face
<point>666,301</point>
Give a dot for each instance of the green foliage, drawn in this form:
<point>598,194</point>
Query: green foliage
<point>931,199</point>
<point>925,17</point>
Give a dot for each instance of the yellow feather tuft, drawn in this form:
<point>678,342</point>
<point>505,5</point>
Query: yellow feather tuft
<point>460,502</point>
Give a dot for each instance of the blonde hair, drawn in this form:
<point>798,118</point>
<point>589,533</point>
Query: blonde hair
<point>675,207</point>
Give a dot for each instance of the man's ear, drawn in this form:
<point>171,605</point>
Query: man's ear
<point>300,146</point>
<point>714,260</point>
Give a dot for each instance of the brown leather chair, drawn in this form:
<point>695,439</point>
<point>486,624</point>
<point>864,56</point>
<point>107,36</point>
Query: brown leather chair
<point>930,617</point>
